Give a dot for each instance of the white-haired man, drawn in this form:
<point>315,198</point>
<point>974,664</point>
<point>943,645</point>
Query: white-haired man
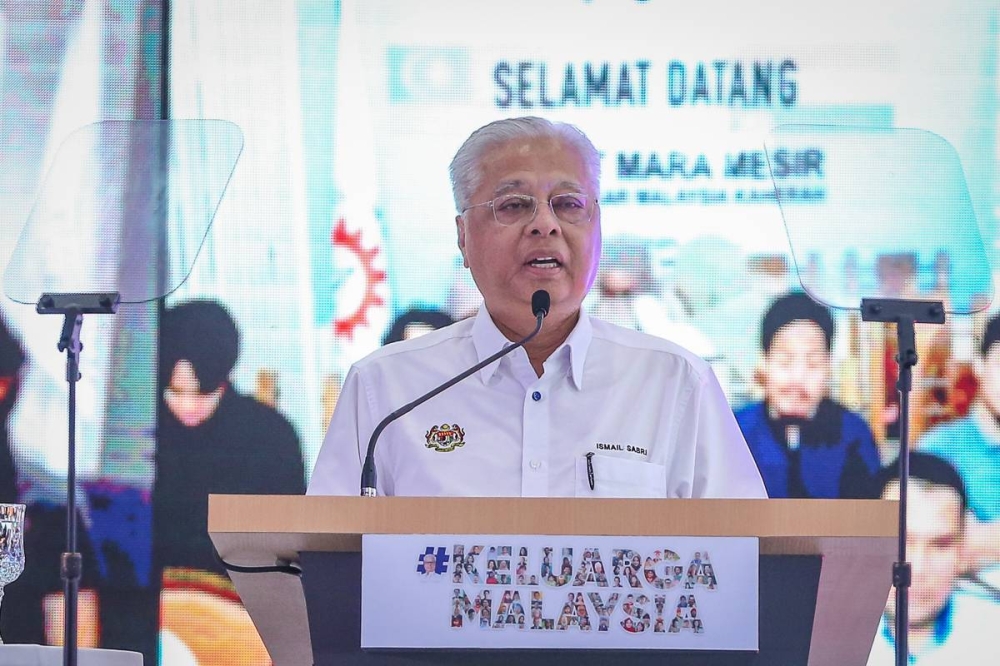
<point>585,408</point>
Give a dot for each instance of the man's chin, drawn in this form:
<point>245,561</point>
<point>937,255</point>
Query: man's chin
<point>920,616</point>
<point>794,406</point>
<point>803,414</point>
<point>191,420</point>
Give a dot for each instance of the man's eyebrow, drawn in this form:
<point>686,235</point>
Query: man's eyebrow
<point>508,186</point>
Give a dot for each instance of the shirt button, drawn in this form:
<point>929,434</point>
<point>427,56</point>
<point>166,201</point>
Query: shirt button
<point>536,396</point>
<point>535,464</point>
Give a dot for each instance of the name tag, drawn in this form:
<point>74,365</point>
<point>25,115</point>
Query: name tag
<point>559,592</point>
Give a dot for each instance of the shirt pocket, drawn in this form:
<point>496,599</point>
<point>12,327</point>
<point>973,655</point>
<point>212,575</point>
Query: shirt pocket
<point>619,477</point>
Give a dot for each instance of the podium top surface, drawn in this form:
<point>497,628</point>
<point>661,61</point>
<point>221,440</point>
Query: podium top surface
<point>297,523</point>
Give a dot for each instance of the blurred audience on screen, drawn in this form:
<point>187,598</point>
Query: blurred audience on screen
<point>972,445</point>
<point>805,443</point>
<point>34,601</point>
<point>211,439</point>
<point>627,293</point>
<point>415,322</point>
<point>949,623</point>
<point>11,360</point>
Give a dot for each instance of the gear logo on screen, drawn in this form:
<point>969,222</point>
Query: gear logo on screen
<point>359,292</point>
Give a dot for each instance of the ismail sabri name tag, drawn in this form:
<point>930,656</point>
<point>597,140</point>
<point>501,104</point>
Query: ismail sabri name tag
<point>559,592</point>
<point>613,446</point>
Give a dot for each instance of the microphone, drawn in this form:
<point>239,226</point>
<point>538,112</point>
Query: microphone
<point>540,302</point>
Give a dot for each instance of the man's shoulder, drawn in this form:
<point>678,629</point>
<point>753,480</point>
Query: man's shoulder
<point>975,613</point>
<point>401,352</point>
<point>750,413</point>
<point>973,601</point>
<point>948,435</point>
<point>852,421</point>
<point>646,346</point>
<point>261,418</point>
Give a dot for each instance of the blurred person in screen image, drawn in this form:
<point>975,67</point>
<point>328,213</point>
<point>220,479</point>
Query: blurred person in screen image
<point>11,360</point>
<point>625,285</point>
<point>30,603</point>
<point>949,623</point>
<point>416,322</point>
<point>710,293</point>
<point>526,195</point>
<point>972,444</point>
<point>210,439</point>
<point>806,444</point>
<point>627,294</point>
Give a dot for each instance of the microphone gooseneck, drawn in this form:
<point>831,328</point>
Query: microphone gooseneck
<point>540,303</point>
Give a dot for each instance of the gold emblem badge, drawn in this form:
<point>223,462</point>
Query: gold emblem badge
<point>445,437</point>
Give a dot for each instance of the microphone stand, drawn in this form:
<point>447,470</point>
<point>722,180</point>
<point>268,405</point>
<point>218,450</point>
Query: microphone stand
<point>369,475</point>
<point>73,307</point>
<point>904,313</point>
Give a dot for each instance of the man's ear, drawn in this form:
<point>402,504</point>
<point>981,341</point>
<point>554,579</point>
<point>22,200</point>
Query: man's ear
<point>460,228</point>
<point>979,367</point>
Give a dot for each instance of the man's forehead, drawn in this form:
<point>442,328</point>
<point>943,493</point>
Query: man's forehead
<point>519,185</point>
<point>799,330</point>
<point>925,498</point>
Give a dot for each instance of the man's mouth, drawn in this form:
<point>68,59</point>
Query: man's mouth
<point>544,262</point>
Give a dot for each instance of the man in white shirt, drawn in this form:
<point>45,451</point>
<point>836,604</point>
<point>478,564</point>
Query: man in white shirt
<point>585,408</point>
<point>948,624</point>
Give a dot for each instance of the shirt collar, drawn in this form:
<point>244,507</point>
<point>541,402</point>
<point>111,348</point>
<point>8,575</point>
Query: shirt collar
<point>488,340</point>
<point>942,629</point>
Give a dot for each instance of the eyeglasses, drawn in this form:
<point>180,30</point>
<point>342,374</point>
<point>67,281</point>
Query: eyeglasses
<point>511,209</point>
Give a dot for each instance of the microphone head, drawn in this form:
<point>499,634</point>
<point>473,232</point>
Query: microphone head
<point>540,302</point>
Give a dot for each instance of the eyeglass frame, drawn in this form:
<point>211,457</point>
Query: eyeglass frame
<point>492,203</point>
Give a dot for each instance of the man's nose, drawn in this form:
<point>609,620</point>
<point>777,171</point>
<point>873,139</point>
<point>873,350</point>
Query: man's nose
<point>545,223</point>
<point>800,368</point>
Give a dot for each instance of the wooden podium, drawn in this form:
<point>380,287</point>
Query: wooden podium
<point>852,541</point>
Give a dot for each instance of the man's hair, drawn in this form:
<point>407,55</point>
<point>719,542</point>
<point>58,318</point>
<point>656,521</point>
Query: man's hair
<point>11,360</point>
<point>11,351</point>
<point>791,307</point>
<point>926,469</point>
<point>427,316</point>
<point>465,168</point>
<point>990,335</point>
<point>204,333</point>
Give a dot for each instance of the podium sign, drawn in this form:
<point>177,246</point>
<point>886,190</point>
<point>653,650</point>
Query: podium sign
<point>559,592</point>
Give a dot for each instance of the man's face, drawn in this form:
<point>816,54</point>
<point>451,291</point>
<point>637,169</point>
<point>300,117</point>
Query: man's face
<point>934,547</point>
<point>500,257</point>
<point>184,398</point>
<point>797,369</point>
<point>988,371</point>
<point>430,561</point>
